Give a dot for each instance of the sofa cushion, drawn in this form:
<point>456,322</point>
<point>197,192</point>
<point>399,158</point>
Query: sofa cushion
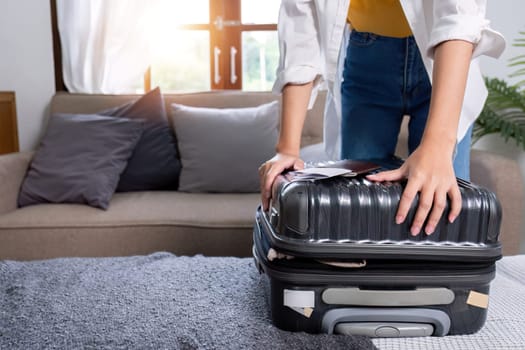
<point>135,223</point>
<point>228,210</point>
<point>222,148</point>
<point>154,164</point>
<point>79,160</point>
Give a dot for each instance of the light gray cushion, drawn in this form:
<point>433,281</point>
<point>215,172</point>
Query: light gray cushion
<point>221,149</point>
<point>80,160</point>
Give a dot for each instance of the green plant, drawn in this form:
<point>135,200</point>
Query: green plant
<point>504,110</point>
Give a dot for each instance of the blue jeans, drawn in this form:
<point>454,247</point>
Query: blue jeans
<point>384,79</point>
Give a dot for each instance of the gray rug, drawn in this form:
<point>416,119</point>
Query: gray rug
<point>144,302</point>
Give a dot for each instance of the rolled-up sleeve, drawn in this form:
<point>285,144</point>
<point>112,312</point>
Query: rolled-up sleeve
<point>464,20</point>
<point>300,53</point>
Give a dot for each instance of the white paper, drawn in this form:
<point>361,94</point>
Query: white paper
<point>320,173</point>
<point>299,298</point>
<point>326,172</point>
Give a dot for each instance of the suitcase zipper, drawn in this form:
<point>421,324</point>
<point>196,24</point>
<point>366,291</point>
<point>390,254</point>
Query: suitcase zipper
<point>456,274</point>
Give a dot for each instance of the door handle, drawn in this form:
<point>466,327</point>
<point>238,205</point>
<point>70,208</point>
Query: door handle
<point>233,75</point>
<point>216,56</point>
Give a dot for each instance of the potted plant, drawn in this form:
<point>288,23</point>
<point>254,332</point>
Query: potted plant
<point>504,110</point>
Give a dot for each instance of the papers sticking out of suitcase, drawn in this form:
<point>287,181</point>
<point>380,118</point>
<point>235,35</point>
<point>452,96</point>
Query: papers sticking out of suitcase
<point>336,262</point>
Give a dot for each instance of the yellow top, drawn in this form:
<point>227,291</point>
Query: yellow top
<point>382,17</point>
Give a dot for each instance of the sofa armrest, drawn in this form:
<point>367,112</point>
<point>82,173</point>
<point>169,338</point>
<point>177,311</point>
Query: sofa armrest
<point>13,168</point>
<point>502,176</point>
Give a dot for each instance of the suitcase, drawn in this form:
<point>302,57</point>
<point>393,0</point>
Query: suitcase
<point>346,267</point>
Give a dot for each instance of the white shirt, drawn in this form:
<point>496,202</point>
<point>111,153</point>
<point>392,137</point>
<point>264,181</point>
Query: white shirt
<point>312,47</point>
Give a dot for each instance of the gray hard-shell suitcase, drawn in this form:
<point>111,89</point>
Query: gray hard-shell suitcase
<point>398,285</point>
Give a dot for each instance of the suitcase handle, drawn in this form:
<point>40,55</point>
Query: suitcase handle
<point>437,318</point>
<point>415,297</point>
<point>385,330</point>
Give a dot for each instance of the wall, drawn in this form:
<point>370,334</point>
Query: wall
<point>26,63</point>
<point>507,17</point>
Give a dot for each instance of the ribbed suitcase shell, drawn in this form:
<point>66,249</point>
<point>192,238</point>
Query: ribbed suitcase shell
<point>340,216</point>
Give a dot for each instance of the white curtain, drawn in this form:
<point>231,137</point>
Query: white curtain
<point>105,47</point>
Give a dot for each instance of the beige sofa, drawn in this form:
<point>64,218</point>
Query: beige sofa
<point>183,223</point>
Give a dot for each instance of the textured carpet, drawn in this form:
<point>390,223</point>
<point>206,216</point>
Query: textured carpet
<point>144,302</point>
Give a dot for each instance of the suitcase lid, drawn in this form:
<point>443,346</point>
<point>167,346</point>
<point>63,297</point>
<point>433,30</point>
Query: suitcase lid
<point>383,249</point>
<point>342,216</point>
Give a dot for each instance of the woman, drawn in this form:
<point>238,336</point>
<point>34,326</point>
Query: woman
<point>414,57</point>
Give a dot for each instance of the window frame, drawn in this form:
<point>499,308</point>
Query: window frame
<point>224,37</point>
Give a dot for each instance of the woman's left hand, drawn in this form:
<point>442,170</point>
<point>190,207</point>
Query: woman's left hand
<point>430,172</point>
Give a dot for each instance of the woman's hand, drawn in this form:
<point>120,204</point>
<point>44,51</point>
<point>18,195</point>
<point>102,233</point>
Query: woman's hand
<point>270,169</point>
<point>430,172</point>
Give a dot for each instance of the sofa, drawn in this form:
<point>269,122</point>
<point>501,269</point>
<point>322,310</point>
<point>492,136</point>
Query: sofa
<point>185,223</point>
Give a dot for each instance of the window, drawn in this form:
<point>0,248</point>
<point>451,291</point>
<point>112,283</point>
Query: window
<point>214,44</point>
<point>203,45</point>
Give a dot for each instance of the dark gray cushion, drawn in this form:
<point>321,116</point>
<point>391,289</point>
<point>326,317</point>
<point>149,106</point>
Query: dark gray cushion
<point>80,159</point>
<point>221,149</point>
<point>154,164</point>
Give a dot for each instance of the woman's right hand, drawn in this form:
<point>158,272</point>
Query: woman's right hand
<point>270,169</point>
